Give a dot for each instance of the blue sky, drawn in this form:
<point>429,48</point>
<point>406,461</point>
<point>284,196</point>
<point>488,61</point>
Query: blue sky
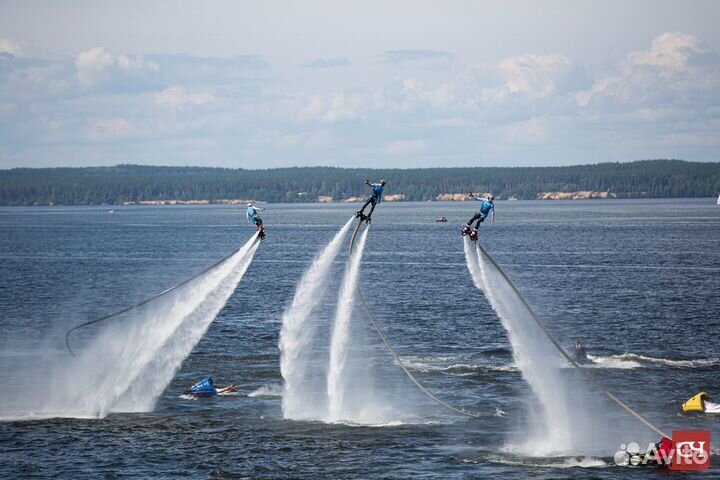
<point>377,84</point>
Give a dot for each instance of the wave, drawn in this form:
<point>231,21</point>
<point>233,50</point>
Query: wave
<point>429,365</point>
<point>552,462</point>
<point>460,369</point>
<point>32,416</point>
<point>391,423</point>
<point>613,361</point>
<point>187,396</point>
<point>632,360</point>
<point>267,391</point>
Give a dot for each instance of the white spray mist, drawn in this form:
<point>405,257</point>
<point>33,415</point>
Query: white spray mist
<point>131,362</point>
<point>339,343</point>
<point>300,399</point>
<point>569,417</point>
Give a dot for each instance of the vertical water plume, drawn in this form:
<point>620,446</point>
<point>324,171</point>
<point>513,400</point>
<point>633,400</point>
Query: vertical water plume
<point>339,344</point>
<point>471,260</point>
<point>298,331</point>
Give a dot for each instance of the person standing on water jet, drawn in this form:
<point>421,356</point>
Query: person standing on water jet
<point>486,207</point>
<point>254,218</point>
<point>374,199</point>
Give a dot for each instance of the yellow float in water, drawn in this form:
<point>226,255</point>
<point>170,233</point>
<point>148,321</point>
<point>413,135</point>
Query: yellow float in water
<point>696,403</point>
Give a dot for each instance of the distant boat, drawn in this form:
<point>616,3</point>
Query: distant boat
<point>111,211</point>
<point>441,219</point>
<point>718,200</point>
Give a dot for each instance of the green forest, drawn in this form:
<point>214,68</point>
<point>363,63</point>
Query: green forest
<point>134,183</point>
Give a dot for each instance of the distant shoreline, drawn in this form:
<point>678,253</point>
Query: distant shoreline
<point>443,197</point>
<point>199,203</point>
<point>148,185</point>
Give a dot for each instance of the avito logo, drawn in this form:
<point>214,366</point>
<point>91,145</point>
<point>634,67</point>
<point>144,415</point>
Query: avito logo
<point>692,450</point>
<point>688,450</point>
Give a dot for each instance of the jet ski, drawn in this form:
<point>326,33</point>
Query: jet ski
<point>701,403</point>
<point>206,388</point>
<point>659,455</point>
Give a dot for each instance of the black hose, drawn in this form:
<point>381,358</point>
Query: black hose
<point>395,356</point>
<point>146,301</point>
<point>567,356</point>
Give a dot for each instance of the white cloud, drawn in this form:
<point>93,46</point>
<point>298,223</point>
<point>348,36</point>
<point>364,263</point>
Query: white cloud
<point>404,147</point>
<point>393,111</point>
<point>676,70</point>
<point>528,132</point>
<point>92,64</point>
<point>534,75</point>
<point>334,107</point>
<point>415,92</point>
<point>177,98</point>
<point>669,51</point>
<point>599,87</point>
<point>136,62</point>
<point>10,47</point>
<point>97,65</point>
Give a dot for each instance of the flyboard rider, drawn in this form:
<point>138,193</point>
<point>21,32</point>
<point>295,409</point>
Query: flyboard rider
<point>374,199</point>
<point>486,208</point>
<point>254,218</point>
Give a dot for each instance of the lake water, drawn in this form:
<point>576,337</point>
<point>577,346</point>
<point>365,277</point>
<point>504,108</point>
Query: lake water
<point>638,281</point>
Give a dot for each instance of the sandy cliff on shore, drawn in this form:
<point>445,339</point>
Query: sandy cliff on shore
<point>458,197</point>
<point>582,195</point>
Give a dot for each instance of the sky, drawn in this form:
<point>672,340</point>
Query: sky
<point>379,84</point>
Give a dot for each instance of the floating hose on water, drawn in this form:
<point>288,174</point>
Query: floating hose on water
<point>395,356</point>
<point>148,300</point>
<point>567,356</point>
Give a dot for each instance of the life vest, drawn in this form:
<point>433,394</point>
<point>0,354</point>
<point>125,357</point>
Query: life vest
<point>377,193</point>
<point>486,206</point>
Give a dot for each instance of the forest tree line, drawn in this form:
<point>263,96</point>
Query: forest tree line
<point>135,183</point>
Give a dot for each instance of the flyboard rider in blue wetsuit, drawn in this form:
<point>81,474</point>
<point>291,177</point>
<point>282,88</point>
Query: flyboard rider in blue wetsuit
<point>254,218</point>
<point>374,199</point>
<point>486,207</point>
